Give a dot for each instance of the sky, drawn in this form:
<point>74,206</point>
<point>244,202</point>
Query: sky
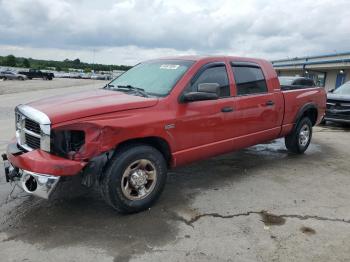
<point>129,31</point>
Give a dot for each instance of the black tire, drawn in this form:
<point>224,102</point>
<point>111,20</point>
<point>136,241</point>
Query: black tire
<point>114,175</point>
<point>20,78</point>
<point>5,78</point>
<point>294,141</point>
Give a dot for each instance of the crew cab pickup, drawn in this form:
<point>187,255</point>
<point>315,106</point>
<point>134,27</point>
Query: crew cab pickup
<point>158,115</point>
<point>34,73</point>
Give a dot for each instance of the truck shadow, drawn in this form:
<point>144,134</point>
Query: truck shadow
<point>87,220</point>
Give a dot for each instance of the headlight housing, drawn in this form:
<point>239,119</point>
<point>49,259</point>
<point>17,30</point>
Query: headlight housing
<point>67,143</point>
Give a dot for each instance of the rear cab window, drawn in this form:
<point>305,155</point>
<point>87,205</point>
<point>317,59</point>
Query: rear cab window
<point>249,78</point>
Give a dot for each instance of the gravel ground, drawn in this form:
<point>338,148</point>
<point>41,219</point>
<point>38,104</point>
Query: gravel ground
<point>258,204</point>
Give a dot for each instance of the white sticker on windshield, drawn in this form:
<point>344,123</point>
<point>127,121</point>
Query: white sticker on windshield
<point>169,67</point>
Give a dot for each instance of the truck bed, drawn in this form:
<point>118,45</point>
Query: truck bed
<point>296,99</point>
<point>294,87</point>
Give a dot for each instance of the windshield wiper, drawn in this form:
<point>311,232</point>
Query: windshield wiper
<point>108,86</point>
<point>131,88</point>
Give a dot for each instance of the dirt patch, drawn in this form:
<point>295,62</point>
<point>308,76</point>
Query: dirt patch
<point>308,230</point>
<point>271,219</point>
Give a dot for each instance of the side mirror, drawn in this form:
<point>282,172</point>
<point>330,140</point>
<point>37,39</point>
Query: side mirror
<point>331,91</point>
<point>206,91</point>
<point>199,96</point>
<point>209,88</point>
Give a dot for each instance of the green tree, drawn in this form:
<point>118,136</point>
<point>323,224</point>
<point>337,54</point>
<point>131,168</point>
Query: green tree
<point>26,63</point>
<point>76,61</point>
<point>10,60</point>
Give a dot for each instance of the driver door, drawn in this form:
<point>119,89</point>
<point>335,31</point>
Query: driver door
<point>203,126</point>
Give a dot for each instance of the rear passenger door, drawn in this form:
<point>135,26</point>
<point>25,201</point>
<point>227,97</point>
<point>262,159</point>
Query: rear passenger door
<point>257,107</point>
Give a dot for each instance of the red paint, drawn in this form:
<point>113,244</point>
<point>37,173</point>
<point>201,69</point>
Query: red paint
<point>201,129</point>
<point>42,162</point>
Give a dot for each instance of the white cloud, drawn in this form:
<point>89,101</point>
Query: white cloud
<point>136,29</point>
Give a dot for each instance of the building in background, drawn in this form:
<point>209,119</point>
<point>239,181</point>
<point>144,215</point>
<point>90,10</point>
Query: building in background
<point>330,71</point>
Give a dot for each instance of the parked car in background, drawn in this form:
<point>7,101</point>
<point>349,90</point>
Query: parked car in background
<point>12,75</point>
<point>101,77</point>
<point>86,76</point>
<point>290,82</point>
<point>160,114</point>
<point>34,73</point>
<point>338,104</point>
<point>76,75</point>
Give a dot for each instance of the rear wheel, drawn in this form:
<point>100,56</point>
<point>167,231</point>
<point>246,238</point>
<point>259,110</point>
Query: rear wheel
<point>299,140</point>
<point>134,179</point>
<point>20,78</point>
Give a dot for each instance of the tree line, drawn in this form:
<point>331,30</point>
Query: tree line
<point>64,65</point>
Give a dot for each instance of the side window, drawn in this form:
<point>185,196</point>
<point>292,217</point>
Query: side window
<point>217,74</point>
<point>298,82</point>
<point>249,80</point>
<point>308,82</point>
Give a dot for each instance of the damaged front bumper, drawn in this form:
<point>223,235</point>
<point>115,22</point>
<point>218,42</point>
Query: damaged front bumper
<point>37,172</point>
<point>40,185</point>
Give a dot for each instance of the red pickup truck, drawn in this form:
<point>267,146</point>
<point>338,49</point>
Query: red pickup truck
<point>158,115</point>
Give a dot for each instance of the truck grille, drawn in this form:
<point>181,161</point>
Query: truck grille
<point>32,141</point>
<point>28,132</point>
<point>338,109</point>
<point>33,129</point>
<point>32,126</point>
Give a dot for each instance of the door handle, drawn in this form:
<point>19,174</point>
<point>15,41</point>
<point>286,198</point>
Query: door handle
<point>270,103</point>
<point>227,109</point>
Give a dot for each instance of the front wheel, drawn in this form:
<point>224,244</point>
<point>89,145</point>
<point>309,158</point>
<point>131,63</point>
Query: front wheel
<point>299,140</point>
<point>134,179</point>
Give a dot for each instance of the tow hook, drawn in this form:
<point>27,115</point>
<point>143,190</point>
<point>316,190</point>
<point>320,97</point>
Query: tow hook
<point>4,157</point>
<point>7,167</point>
<point>10,172</point>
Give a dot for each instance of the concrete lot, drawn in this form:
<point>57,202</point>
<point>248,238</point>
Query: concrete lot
<point>259,204</point>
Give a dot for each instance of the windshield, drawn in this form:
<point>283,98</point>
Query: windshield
<point>286,81</point>
<point>156,77</point>
<point>343,89</point>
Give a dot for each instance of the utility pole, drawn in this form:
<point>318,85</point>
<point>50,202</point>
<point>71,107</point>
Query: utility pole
<point>93,60</point>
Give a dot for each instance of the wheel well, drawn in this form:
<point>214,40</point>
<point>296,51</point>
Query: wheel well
<point>312,114</point>
<point>159,143</point>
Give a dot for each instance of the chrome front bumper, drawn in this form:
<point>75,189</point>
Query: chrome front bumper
<point>40,185</point>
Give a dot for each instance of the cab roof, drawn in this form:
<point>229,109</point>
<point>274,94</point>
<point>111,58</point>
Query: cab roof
<point>197,58</point>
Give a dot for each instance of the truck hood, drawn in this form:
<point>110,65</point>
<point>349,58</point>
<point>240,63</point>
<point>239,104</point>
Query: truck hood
<point>338,97</point>
<point>89,103</point>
